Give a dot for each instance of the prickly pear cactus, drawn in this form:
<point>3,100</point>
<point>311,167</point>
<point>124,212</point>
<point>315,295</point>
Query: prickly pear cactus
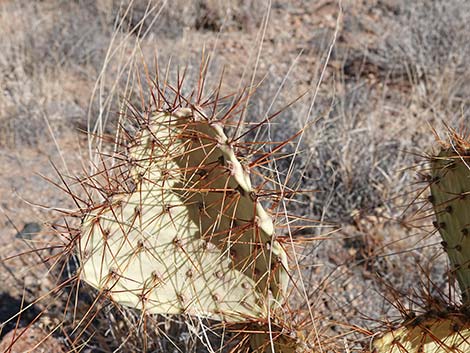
<point>428,335</point>
<point>450,196</point>
<point>192,238</point>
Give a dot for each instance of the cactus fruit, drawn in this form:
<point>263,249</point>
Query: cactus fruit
<point>192,237</point>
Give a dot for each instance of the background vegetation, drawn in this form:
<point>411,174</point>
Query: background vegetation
<point>378,76</point>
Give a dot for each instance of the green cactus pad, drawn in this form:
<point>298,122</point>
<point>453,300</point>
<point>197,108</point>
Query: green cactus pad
<point>192,238</point>
<point>430,335</point>
<point>450,195</point>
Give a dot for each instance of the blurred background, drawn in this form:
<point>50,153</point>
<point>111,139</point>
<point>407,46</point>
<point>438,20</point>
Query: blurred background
<point>377,76</point>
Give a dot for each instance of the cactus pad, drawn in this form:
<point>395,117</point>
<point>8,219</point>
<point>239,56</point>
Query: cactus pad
<point>430,335</point>
<point>192,238</point>
<point>450,195</point>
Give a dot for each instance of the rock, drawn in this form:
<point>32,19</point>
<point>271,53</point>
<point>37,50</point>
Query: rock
<point>28,231</point>
<point>29,340</point>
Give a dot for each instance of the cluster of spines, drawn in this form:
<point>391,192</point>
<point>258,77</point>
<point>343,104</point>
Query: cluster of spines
<point>111,180</point>
<point>198,174</point>
<point>264,261</point>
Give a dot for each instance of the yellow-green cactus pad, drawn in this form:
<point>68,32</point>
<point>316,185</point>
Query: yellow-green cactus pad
<point>430,335</point>
<point>192,238</point>
<point>450,195</point>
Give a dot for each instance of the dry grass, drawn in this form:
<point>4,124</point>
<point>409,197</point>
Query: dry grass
<point>395,68</point>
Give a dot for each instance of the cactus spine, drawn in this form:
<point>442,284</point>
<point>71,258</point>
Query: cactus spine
<point>450,190</point>
<point>428,335</point>
<point>192,237</point>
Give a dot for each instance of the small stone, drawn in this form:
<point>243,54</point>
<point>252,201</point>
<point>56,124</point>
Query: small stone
<point>32,340</point>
